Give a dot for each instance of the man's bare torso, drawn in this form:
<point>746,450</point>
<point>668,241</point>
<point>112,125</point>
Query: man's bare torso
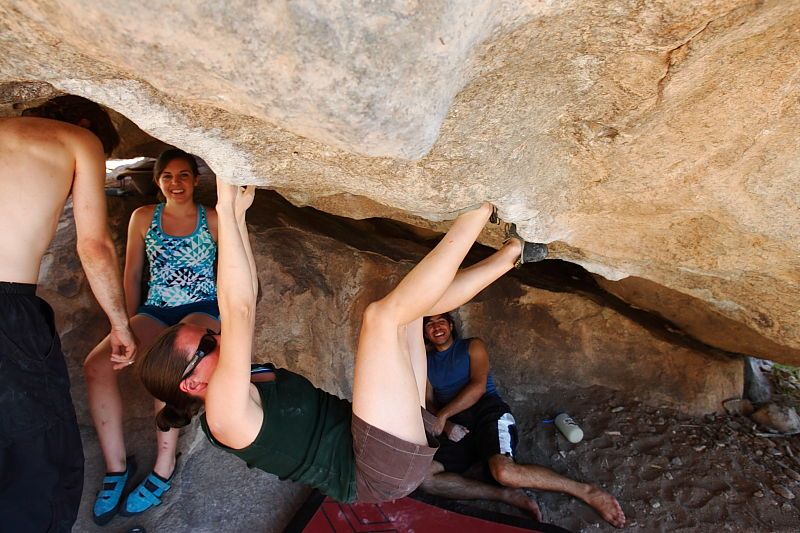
<point>37,166</point>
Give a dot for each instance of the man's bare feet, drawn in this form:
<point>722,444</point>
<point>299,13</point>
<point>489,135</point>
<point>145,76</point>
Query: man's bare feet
<point>518,498</point>
<point>605,504</point>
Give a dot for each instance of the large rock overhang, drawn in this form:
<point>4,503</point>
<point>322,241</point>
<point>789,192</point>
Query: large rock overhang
<point>653,141</point>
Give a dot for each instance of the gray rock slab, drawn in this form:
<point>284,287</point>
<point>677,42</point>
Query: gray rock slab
<point>757,387</point>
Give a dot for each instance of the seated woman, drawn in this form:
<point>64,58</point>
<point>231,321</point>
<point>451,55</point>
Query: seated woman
<point>178,238</point>
<point>275,420</point>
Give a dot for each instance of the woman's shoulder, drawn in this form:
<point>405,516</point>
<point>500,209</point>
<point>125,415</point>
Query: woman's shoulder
<point>145,210</point>
<point>211,217</point>
<point>143,214</point>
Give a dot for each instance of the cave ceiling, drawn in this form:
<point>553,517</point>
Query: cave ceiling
<point>654,143</point>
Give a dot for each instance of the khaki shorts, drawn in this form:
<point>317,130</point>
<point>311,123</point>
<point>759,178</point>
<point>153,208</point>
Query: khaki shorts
<point>388,468</point>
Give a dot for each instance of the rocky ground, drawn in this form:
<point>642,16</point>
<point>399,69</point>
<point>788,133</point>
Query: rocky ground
<point>669,471</point>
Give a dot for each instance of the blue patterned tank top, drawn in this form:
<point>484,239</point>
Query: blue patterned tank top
<point>181,268</point>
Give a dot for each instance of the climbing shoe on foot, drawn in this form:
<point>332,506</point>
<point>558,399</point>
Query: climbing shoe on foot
<point>146,495</point>
<point>532,252</point>
<point>110,497</point>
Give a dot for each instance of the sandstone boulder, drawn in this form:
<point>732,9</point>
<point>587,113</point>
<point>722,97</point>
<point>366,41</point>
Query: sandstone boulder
<point>652,140</point>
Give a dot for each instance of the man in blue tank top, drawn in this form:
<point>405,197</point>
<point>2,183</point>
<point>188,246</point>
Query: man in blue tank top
<point>479,427</point>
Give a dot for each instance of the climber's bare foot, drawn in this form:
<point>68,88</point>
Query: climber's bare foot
<point>605,504</point>
<point>518,498</point>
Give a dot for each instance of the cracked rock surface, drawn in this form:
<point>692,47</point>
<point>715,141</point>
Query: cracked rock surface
<point>644,140</point>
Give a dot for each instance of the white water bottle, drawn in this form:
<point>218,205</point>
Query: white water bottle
<point>567,426</point>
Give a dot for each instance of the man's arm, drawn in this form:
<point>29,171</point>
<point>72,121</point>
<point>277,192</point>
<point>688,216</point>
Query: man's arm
<point>474,389</point>
<point>454,432</point>
<point>430,403</point>
<point>95,247</point>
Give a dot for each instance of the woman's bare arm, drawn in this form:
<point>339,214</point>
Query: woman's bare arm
<point>243,202</point>
<point>233,416</point>
<point>134,258</point>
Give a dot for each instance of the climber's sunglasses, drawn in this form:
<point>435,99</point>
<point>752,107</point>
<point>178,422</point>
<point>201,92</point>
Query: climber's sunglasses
<point>207,345</point>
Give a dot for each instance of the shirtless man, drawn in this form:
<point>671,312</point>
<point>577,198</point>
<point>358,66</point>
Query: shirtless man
<point>41,161</point>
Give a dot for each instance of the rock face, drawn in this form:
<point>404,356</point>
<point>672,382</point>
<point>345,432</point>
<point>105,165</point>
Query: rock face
<point>654,140</point>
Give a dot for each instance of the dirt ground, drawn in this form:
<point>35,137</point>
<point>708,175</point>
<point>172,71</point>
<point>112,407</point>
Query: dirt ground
<point>670,472</point>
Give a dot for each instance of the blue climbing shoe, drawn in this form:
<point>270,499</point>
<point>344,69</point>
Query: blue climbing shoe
<point>148,494</point>
<point>109,498</point>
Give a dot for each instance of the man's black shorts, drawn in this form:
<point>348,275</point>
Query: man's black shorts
<point>41,457</point>
<point>492,431</point>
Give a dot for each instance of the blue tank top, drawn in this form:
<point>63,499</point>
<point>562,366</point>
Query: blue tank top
<point>448,372</point>
<point>181,268</point>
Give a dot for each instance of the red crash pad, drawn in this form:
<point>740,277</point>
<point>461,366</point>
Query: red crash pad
<point>402,515</point>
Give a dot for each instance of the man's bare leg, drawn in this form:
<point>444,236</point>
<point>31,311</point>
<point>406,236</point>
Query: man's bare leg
<point>457,487</point>
<point>511,474</point>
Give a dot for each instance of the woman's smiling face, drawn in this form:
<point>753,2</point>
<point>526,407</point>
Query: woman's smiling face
<point>176,181</point>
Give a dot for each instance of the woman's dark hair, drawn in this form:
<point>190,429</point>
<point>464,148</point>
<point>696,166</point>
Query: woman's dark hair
<point>80,112</point>
<point>173,153</point>
<point>164,159</point>
<point>160,370</point>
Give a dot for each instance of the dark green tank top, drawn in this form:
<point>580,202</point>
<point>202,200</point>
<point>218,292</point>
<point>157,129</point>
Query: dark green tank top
<point>305,436</point>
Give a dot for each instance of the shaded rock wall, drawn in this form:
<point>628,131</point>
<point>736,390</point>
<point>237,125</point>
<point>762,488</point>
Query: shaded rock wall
<point>697,318</point>
<point>309,316</point>
<point>315,285</point>
<point>539,338</point>
<point>649,139</point>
